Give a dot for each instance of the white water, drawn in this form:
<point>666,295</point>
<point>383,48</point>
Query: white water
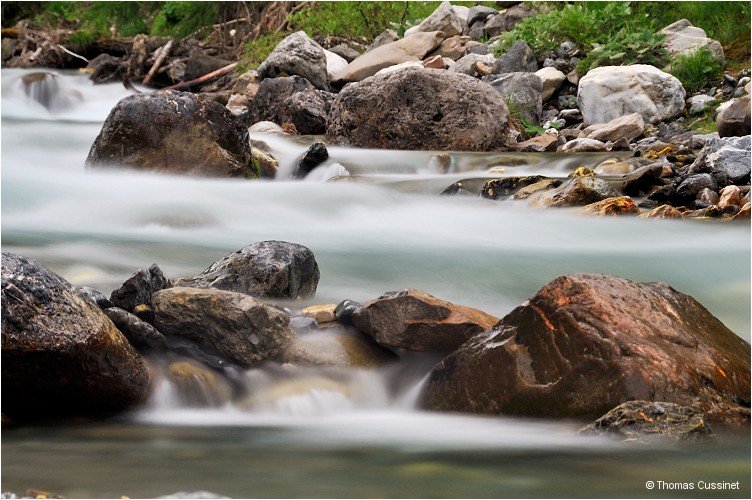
<point>388,230</point>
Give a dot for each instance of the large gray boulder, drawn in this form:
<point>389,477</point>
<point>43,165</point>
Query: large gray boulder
<point>297,54</point>
<point>684,39</point>
<point>519,58</point>
<point>726,159</point>
<point>736,119</point>
<point>523,92</point>
<point>291,100</point>
<point>234,325</point>
<point>609,92</point>
<point>272,269</point>
<point>419,109</point>
<point>586,343</point>
<point>61,356</point>
<point>175,133</point>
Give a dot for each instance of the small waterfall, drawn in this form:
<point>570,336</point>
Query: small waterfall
<point>46,89</point>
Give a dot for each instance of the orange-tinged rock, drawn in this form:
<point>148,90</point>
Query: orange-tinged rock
<point>618,205</point>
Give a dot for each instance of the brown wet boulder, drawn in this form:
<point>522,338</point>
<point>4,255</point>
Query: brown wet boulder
<point>173,133</point>
<point>414,320</point>
<point>61,356</point>
<point>586,343</point>
<point>338,346</point>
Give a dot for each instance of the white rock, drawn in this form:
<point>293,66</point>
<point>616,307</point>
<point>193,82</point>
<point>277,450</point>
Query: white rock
<point>628,126</point>
<point>444,18</point>
<point>609,92</point>
<point>334,63</point>
<point>397,67</point>
<point>683,38</point>
<point>552,79</point>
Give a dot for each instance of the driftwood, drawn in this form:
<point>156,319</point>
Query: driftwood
<point>72,53</point>
<point>162,56</point>
<point>214,74</point>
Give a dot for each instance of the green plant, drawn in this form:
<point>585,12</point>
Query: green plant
<point>697,69</point>
<point>181,19</point>
<point>254,53</point>
<point>627,47</point>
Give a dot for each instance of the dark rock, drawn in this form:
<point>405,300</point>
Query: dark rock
<point>61,356</point>
<point>201,64</point>
<point>298,55</point>
<point>139,288</point>
<point>523,90</point>
<point>735,120</point>
<point>234,325</point>
<point>414,320</point>
<point>345,309</point>
<point>479,13</point>
<point>580,191</point>
<point>643,420</point>
<point>107,69</point>
<point>314,156</point>
<point>477,32</point>
<point>693,184</point>
<point>419,109</point>
<point>586,343</point>
<point>643,180</point>
<point>386,36</point>
<point>265,269</point>
<point>345,52</point>
<point>139,333</point>
<point>507,19</point>
<point>727,159</point>
<point>497,189</point>
<point>173,132</point>
<point>518,59</point>
<point>95,296</point>
<point>291,100</point>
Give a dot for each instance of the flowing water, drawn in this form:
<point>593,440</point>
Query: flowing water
<point>387,230</point>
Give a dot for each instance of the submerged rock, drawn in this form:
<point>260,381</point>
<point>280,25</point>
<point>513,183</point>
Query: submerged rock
<point>198,386</point>
<point>61,356</point>
<point>339,347</point>
<point>414,320</point>
<point>586,343</point>
<point>265,269</point>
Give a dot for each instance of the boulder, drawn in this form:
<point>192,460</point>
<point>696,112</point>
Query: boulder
<point>507,19</point>
<point>139,333</point>
<point>410,48</point>
<point>735,120</point>
<point>426,109</point>
<point>727,159</point>
<point>414,320</point>
<point>518,59</point>
<point>683,39</point>
<point>443,19</point>
<point>539,144</point>
<point>480,13</point>
<point>315,155</point>
<point>298,55</point>
<point>628,126</point>
<point>646,420</point>
<point>452,48</point>
<point>198,386</point>
<point>106,69</point>
<point>272,269</point>
<point>291,100</point>
<point>175,133</point>
<point>586,343</point>
<point>551,81</point>
<point>609,92</point>
<point>340,347</point>
<point>139,288</point>
<point>578,192</point>
<point>234,325</point>
<point>334,63</point>
<point>61,356</point>
<point>522,90</point>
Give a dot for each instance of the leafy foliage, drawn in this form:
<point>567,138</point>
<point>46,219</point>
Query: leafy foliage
<point>696,70</point>
<point>180,19</point>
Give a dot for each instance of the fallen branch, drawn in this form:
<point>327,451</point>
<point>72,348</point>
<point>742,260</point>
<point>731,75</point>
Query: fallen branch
<point>214,74</point>
<point>158,62</point>
<point>72,53</point>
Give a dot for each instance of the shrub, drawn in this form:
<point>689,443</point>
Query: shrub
<point>697,69</point>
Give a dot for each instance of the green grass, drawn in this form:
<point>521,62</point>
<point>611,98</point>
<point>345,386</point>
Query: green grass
<point>697,70</point>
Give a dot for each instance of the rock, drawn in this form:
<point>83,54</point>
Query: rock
<point>663,212</point>
<point>334,63</point>
<point>543,185</point>
<point>298,55</point>
<point>744,213</point>
<point>523,90</point>
<point>345,309</point>
<point>683,39</point>
<point>628,126</point>
<point>323,313</point>
<point>200,64</point>
<point>198,386</point>
<point>443,19</point>
<point>272,269</point>
<point>139,288</point>
<point>698,104</point>
<point>480,13</point>
<point>414,320</point>
<point>401,66</point>
<point>468,64</point>
<point>551,81</point>
<point>727,159</point>
<point>586,343</point>
<point>94,296</point>
<point>314,156</point>
<point>506,20</point>
<point>345,52</point>
<point>518,59</point>
<point>424,109</point>
<point>107,69</point>
<point>730,195</point>
<point>291,100</point>
<point>539,144</point>
<point>735,119</point>
<point>410,48</point>
<point>267,164</point>
<point>452,48</point>
<point>643,180</point>
<point>618,205</point>
<point>435,62</point>
<point>340,347</point>
<point>583,146</point>
<point>386,36</point>
<point>578,192</point>
<point>173,132</point>
<point>61,356</point>
<point>709,196</point>
<point>690,186</point>
<point>609,92</point>
<point>234,325</point>
<point>140,334</point>
<point>643,420</point>
<point>499,189</point>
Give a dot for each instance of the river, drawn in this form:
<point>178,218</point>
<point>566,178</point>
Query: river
<point>388,230</point>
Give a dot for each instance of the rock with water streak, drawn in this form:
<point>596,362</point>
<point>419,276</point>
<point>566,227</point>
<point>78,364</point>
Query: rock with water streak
<point>586,343</point>
<point>609,92</point>
<point>298,55</point>
<point>419,109</point>
<point>275,269</point>
<point>339,347</point>
<point>61,356</point>
<point>647,420</point>
<point>414,320</point>
<point>292,100</point>
<point>233,325</point>
<point>618,205</point>
<point>174,133</point>
<point>578,192</point>
<point>197,385</point>
<point>139,288</point>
